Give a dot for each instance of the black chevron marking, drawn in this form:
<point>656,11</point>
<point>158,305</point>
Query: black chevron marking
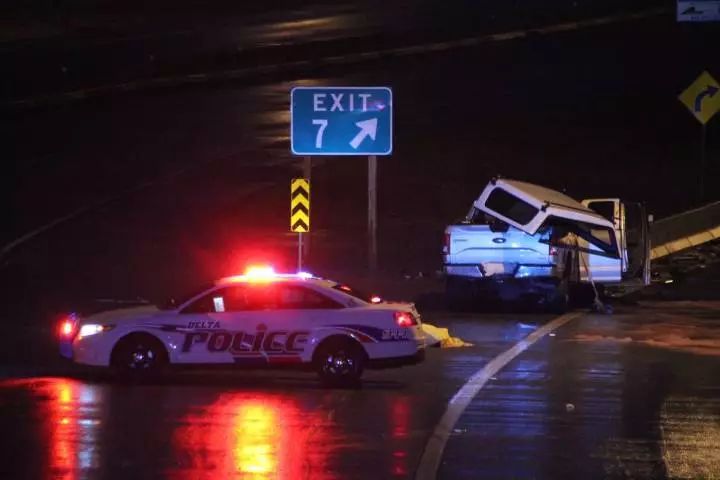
<point>300,207</point>
<point>299,224</point>
<point>300,191</point>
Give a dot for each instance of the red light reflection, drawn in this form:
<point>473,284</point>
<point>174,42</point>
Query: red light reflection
<point>253,437</point>
<point>400,431</point>
<point>71,430</point>
<point>61,431</point>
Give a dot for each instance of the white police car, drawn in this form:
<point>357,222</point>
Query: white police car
<point>257,319</point>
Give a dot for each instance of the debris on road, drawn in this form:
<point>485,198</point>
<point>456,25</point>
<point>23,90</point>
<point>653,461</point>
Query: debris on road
<point>440,337</point>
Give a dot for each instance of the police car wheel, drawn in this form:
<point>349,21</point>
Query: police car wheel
<point>139,354</point>
<point>340,363</point>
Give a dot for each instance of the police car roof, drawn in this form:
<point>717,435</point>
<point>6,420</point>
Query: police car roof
<point>272,278</point>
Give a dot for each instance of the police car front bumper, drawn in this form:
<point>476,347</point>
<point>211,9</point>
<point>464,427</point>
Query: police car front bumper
<point>66,349</point>
<point>394,362</point>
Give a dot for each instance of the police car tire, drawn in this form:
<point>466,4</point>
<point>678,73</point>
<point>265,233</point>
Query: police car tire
<point>120,358</point>
<point>349,350</point>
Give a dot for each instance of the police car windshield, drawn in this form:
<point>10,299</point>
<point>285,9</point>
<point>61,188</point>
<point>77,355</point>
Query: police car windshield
<point>352,292</point>
<point>174,302</point>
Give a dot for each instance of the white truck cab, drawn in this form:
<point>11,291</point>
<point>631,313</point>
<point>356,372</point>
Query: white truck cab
<point>523,239</point>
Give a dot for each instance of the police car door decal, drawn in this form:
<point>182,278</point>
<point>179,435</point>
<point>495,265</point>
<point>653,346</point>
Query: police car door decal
<point>248,334</point>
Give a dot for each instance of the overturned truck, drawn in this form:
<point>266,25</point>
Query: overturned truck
<point>521,241</point>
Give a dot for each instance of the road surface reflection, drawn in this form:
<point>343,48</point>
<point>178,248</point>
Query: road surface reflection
<point>69,429</point>
<point>255,436</point>
<point>71,426</point>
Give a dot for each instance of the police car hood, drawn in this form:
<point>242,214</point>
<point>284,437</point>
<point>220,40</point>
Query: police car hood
<point>123,314</point>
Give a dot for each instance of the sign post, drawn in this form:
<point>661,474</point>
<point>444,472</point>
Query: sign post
<point>372,212</point>
<point>307,174</point>
<point>300,212</point>
<point>702,98</point>
<point>345,121</point>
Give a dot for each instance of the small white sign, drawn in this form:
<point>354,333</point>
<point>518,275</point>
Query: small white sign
<point>698,11</point>
<point>219,304</point>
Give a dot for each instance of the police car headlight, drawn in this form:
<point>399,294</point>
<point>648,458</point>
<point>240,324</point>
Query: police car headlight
<point>92,329</point>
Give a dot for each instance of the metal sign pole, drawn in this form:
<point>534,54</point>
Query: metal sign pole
<point>372,212</point>
<point>307,173</point>
<point>300,252</point>
<point>703,140</point>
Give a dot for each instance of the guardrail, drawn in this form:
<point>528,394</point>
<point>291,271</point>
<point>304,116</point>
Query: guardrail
<point>685,230</point>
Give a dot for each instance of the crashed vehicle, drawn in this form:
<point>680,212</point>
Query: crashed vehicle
<point>521,241</point>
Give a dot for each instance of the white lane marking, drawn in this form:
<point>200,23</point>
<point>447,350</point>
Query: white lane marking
<point>430,461</point>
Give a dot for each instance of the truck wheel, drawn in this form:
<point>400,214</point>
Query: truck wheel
<point>340,362</point>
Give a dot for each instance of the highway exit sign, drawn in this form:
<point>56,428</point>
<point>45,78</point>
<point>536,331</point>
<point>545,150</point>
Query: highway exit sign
<point>341,121</point>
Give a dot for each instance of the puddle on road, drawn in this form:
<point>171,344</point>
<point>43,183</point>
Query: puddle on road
<point>685,327</point>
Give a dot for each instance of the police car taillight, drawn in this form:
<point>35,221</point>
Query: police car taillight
<point>68,327</point>
<point>405,319</point>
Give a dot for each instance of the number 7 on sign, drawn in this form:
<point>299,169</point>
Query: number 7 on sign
<point>319,137</point>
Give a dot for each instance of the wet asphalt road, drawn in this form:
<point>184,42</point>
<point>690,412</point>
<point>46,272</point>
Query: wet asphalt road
<point>631,395</point>
<point>242,424</point>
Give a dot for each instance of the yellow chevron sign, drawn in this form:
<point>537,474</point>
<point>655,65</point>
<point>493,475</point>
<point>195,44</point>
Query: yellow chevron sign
<point>300,205</point>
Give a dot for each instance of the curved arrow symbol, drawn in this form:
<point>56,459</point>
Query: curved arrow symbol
<point>368,128</point>
<point>710,91</point>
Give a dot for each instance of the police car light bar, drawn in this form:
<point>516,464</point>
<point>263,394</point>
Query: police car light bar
<point>259,271</point>
<point>265,273</point>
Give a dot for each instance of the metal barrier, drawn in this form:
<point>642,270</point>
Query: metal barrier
<point>685,230</point>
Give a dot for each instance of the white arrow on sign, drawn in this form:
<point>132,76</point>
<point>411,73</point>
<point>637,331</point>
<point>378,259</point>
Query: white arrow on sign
<point>368,128</point>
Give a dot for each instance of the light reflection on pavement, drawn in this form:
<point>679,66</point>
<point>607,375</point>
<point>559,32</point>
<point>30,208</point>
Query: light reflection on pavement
<point>254,435</point>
